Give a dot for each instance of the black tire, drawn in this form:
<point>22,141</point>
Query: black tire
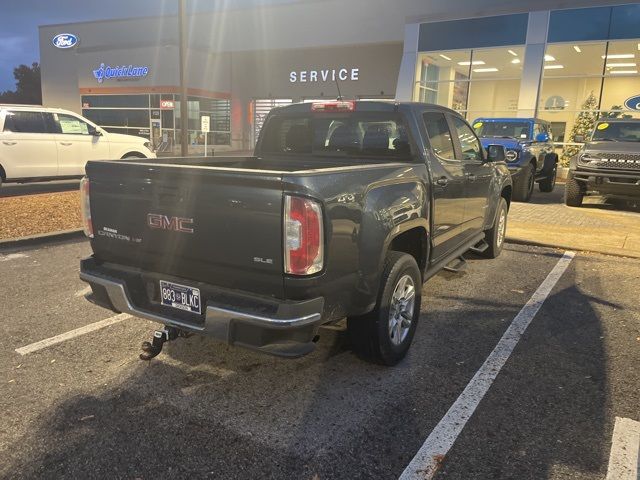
<point>370,334</point>
<point>133,155</point>
<point>548,184</point>
<point>496,234</point>
<point>573,193</point>
<point>523,188</point>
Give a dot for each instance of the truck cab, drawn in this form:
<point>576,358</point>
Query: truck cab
<point>529,150</point>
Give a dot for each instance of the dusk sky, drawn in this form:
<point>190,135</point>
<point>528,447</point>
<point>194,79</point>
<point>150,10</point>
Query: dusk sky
<point>20,21</point>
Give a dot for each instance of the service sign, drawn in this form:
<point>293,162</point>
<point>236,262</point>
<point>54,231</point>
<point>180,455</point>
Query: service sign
<point>633,103</point>
<point>65,40</point>
<point>316,75</point>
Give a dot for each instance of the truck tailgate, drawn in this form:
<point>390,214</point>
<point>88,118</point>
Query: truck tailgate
<point>222,228</point>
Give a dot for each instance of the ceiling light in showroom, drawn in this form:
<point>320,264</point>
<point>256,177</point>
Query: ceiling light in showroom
<point>619,55</point>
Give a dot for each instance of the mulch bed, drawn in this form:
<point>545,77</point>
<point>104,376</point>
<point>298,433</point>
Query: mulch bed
<point>42,213</point>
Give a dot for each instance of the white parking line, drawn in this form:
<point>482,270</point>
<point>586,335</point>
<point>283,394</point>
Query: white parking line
<point>430,456</point>
<point>625,446</point>
<point>12,256</point>
<point>82,292</point>
<point>47,342</point>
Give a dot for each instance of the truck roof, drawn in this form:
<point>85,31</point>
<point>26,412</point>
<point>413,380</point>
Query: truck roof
<point>364,106</point>
<point>511,119</point>
<point>618,120</point>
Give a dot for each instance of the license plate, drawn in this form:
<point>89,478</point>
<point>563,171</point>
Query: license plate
<point>180,296</point>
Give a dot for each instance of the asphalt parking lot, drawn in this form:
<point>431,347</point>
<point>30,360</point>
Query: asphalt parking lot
<point>88,408</point>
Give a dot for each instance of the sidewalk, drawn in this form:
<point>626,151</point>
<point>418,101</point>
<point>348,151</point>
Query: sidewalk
<point>595,227</point>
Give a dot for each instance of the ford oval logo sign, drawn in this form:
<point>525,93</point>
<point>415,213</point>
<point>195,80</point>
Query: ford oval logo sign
<point>633,103</point>
<point>65,40</point>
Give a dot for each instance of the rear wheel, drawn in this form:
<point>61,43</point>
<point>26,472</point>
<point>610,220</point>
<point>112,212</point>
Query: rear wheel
<point>573,193</point>
<point>496,234</point>
<point>523,188</point>
<point>548,184</point>
<point>384,335</point>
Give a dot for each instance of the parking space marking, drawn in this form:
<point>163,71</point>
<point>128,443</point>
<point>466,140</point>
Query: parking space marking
<point>83,292</point>
<point>429,458</point>
<point>625,446</point>
<point>12,256</point>
<point>47,342</point>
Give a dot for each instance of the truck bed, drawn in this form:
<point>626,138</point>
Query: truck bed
<point>265,164</point>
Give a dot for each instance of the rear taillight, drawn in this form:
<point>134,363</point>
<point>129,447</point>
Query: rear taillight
<point>303,236</point>
<point>85,207</point>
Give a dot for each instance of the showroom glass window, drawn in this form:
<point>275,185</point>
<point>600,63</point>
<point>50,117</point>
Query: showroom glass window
<point>477,83</point>
<point>588,80</point>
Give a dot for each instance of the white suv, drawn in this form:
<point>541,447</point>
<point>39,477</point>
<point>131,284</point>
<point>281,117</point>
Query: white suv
<point>47,143</point>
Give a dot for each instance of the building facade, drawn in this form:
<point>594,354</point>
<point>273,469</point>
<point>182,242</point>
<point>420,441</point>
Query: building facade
<point>552,60</point>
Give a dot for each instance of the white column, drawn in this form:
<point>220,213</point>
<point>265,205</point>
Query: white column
<point>532,68</point>
<point>407,75</point>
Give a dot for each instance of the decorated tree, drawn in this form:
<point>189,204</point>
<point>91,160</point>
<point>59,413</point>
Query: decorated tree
<point>583,126</point>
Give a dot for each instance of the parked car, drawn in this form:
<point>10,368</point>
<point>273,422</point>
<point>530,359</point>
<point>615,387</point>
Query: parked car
<point>609,163</point>
<point>344,210</point>
<point>530,151</point>
<point>38,143</point>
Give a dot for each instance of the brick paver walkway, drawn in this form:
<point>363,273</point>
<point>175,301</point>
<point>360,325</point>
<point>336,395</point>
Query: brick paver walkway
<point>597,226</point>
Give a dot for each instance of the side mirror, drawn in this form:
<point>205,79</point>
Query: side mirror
<point>94,131</point>
<point>578,139</point>
<point>542,137</point>
<point>496,153</point>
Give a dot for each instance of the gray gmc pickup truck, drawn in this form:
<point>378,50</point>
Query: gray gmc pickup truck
<point>345,209</point>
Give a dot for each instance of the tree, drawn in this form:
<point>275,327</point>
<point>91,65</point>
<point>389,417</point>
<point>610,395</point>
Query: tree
<point>583,126</point>
<point>28,87</point>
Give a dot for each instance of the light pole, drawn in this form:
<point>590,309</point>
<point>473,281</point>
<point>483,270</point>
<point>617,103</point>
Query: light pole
<point>184,114</point>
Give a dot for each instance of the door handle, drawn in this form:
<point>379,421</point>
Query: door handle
<point>442,181</point>
<point>8,142</point>
<point>471,177</point>
<point>66,144</point>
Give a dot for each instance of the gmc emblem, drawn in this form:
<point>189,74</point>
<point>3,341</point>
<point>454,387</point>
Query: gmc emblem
<point>163,222</point>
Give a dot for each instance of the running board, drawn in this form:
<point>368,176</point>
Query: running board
<point>443,262</point>
<point>480,247</point>
<point>456,265</point>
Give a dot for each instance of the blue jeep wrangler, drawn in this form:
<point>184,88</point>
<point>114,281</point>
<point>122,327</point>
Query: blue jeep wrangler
<point>529,151</point>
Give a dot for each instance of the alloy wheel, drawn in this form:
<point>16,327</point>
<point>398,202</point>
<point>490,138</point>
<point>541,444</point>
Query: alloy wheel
<point>401,309</point>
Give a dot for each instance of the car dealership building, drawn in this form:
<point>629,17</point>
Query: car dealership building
<point>550,59</point>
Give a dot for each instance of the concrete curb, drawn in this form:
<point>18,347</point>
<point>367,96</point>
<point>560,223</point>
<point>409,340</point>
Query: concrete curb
<point>41,239</point>
<point>614,253</point>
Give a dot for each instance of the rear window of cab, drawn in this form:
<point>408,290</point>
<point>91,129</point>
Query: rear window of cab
<point>375,134</point>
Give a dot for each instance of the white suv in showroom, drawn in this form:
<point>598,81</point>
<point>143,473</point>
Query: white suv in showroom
<point>38,143</point>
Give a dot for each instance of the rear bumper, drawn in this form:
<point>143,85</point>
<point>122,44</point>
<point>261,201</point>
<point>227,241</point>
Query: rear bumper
<point>276,327</point>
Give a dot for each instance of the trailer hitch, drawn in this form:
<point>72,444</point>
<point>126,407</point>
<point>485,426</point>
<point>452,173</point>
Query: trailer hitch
<point>153,348</point>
